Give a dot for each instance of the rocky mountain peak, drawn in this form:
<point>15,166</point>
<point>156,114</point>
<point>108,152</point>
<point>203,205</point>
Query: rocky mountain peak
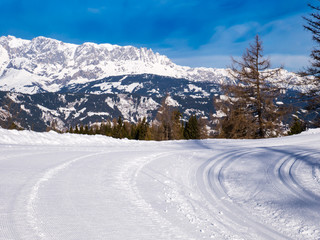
<point>44,64</point>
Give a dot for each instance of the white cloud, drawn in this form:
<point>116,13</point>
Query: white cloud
<point>284,41</point>
<point>214,61</point>
<point>290,62</point>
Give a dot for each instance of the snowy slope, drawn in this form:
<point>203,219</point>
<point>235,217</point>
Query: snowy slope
<point>38,111</point>
<point>46,65</point>
<point>91,187</point>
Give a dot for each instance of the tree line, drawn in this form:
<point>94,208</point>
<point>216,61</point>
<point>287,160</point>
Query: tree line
<point>168,125</point>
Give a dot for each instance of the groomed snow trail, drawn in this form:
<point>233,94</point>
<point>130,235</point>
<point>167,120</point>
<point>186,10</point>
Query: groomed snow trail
<point>110,189</point>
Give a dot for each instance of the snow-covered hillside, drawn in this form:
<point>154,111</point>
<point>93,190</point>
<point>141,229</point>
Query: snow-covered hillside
<point>64,186</point>
<point>47,65</point>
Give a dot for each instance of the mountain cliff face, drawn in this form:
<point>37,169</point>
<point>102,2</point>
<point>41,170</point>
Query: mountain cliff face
<point>47,65</point>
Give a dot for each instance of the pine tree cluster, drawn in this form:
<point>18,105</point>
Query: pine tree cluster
<point>167,126</point>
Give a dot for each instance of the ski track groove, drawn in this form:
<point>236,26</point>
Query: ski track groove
<point>33,196</point>
<point>229,220</point>
<point>179,195</point>
<point>314,197</point>
<point>133,192</point>
<point>9,227</point>
<point>241,221</point>
<point>284,172</point>
<point>126,182</point>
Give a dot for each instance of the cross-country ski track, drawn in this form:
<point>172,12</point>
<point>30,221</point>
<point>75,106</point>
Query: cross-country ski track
<point>64,186</point>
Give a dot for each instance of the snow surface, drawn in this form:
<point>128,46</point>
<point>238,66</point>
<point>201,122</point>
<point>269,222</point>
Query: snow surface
<point>171,102</point>
<point>65,186</point>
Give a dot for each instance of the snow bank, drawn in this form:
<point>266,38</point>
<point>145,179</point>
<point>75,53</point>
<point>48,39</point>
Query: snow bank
<point>27,137</point>
<point>311,131</point>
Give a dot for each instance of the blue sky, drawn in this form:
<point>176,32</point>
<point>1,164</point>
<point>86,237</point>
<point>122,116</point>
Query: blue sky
<point>190,32</point>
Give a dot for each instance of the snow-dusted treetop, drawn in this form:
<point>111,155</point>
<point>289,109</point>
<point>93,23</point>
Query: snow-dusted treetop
<point>44,64</point>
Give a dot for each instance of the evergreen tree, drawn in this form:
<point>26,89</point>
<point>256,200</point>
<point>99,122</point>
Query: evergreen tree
<point>141,130</point>
<point>202,123</point>
<point>91,131</point>
<point>81,130</point>
<point>191,130</point>
<point>126,130</point>
<point>116,127</point>
<point>119,130</point>
<point>250,104</point>
<point>106,128</point>
<point>155,131</point>
<point>164,120</point>
<point>76,130</point>
<point>313,96</point>
<point>313,25</point>
<point>86,129</point>
<point>133,132</point>
<point>177,127</point>
<point>13,126</point>
<point>297,127</point>
<point>236,124</point>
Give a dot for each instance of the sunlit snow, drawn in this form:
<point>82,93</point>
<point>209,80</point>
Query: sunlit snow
<point>66,186</point>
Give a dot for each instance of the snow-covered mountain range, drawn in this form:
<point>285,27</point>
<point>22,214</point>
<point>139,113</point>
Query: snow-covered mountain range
<point>44,80</point>
<point>44,64</point>
<point>48,65</point>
